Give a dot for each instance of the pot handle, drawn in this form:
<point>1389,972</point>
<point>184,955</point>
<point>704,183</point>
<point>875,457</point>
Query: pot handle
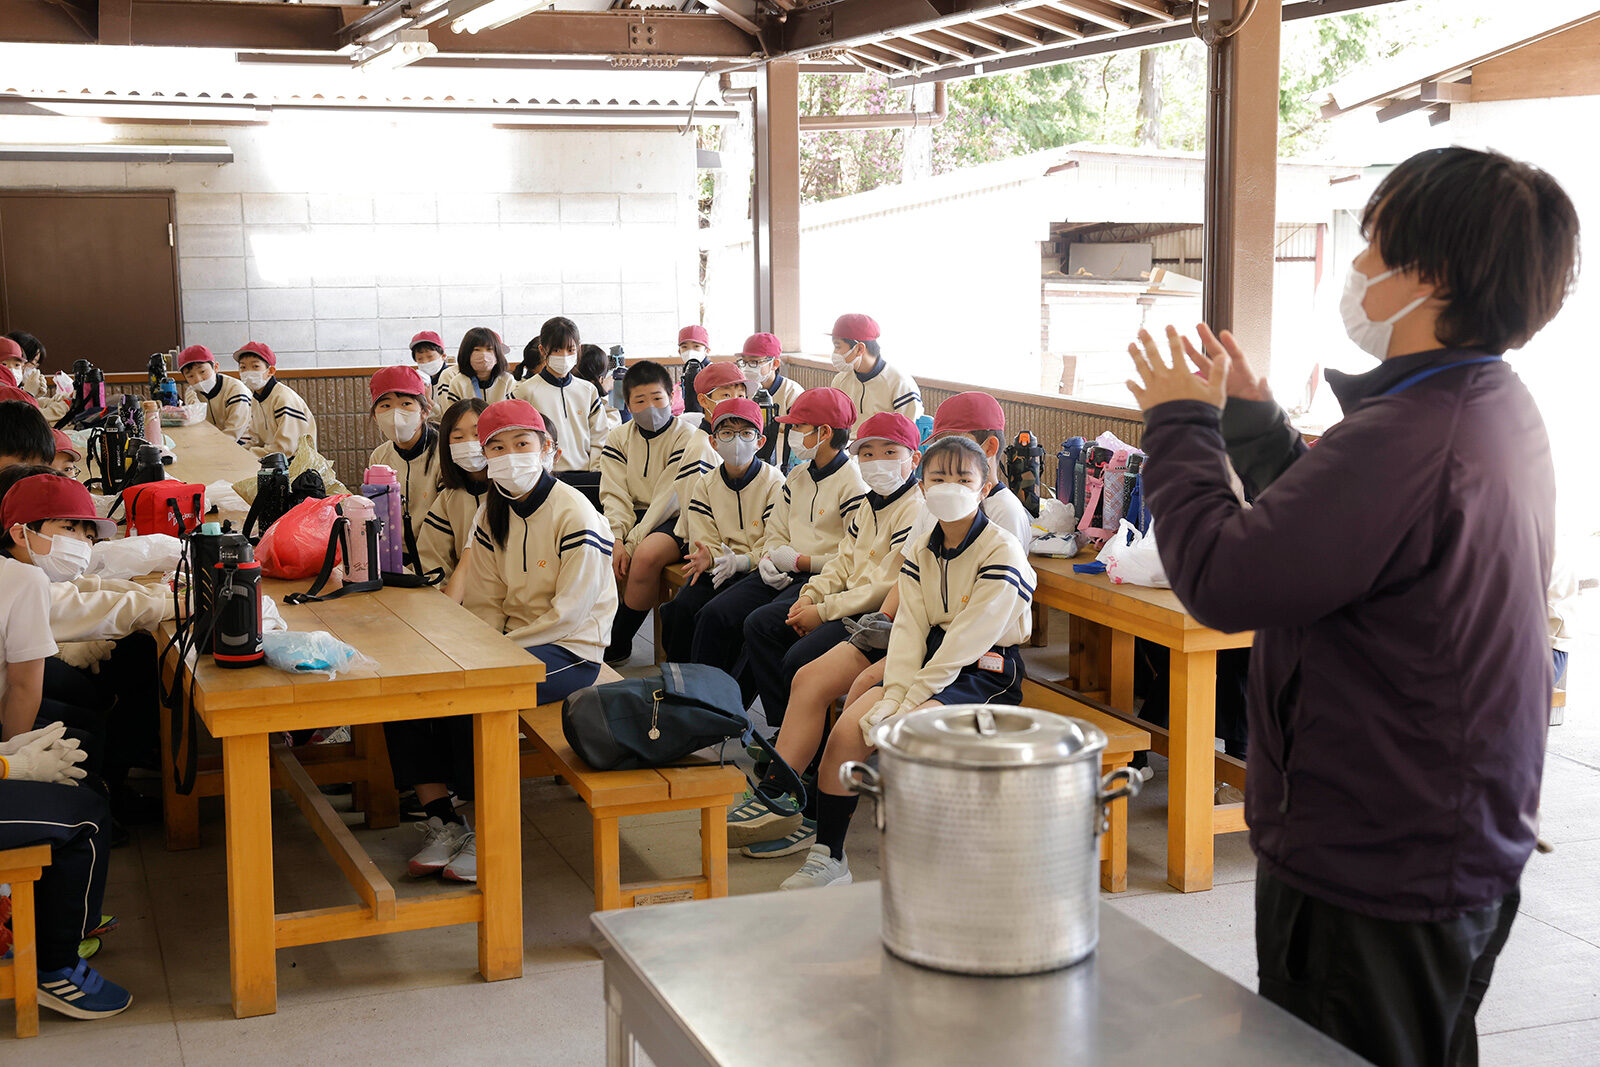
<point>1131,784</point>
<point>858,778</point>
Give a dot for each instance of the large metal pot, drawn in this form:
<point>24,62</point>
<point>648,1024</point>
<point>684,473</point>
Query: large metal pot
<point>991,819</point>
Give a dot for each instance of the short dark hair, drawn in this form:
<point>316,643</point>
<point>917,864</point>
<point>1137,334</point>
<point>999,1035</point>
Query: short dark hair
<point>840,437</point>
<point>24,433</point>
<point>1499,239</point>
<point>451,476</point>
<point>481,337</point>
<point>557,333</point>
<point>425,344</point>
<point>593,365</point>
<point>646,372</point>
<point>32,347</point>
<point>872,346</point>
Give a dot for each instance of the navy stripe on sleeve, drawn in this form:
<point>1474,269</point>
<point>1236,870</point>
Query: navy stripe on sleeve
<point>585,539</point>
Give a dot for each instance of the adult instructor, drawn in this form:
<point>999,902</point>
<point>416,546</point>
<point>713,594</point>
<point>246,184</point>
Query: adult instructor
<point>1395,576</point>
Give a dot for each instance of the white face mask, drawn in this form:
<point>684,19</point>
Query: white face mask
<point>737,452</point>
<point>468,455</point>
<point>842,362</point>
<point>561,364</point>
<point>797,446</point>
<point>950,501</point>
<point>883,476</point>
<point>253,379</point>
<point>752,380</point>
<point>653,417</point>
<point>516,472</point>
<point>66,558</point>
<point>431,368</point>
<point>482,363</point>
<point>400,425</point>
<point>1371,337</point>
<point>207,386</point>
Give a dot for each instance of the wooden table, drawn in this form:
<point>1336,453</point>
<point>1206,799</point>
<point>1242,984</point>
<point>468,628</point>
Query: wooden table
<point>1132,611</point>
<point>205,454</point>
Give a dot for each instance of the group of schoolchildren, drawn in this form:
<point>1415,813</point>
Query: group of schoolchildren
<point>833,547</point>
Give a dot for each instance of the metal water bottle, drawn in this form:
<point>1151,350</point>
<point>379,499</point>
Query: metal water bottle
<point>206,549</point>
<point>236,605</point>
<point>381,486</point>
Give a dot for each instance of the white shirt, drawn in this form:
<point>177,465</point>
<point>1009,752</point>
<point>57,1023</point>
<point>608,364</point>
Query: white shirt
<point>24,616</point>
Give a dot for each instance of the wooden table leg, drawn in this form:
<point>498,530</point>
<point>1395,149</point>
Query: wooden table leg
<point>24,960</point>
<point>247,791</point>
<point>1191,784</point>
<point>608,864</point>
<point>1121,681</point>
<point>494,742</point>
<point>714,850</point>
<point>380,802</point>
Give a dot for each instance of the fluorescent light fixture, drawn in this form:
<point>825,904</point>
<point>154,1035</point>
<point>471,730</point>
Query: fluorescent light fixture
<point>116,153</point>
<point>399,49</point>
<point>493,14</point>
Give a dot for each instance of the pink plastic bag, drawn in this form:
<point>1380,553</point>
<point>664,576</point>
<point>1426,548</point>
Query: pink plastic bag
<point>295,546</point>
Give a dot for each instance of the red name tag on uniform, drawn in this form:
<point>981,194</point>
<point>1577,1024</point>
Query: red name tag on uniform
<point>992,661</point>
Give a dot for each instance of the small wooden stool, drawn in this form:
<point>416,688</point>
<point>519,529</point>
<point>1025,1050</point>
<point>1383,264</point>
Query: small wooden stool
<point>19,976</point>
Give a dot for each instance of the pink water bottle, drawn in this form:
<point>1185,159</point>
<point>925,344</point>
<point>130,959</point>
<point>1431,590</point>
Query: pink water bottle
<point>381,486</point>
<point>361,564</point>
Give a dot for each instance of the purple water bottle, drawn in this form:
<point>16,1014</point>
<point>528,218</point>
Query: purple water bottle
<point>381,486</point>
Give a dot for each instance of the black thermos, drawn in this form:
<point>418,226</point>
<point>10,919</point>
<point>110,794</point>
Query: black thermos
<point>236,600</point>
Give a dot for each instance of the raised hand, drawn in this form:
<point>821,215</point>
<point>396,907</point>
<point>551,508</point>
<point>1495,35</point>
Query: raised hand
<point>1162,382</point>
<point>1242,381</point>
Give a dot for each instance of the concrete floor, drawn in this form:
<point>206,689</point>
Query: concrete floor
<point>414,998</point>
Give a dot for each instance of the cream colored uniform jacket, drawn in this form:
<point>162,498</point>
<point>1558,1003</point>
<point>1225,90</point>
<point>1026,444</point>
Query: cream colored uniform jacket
<point>654,472</point>
<point>574,407</point>
<point>227,408</point>
<point>460,386</point>
<point>885,389</point>
<point>787,392</point>
<point>980,593</point>
<point>813,509</point>
<point>1005,510</point>
<point>446,529</point>
<point>551,584</point>
<point>92,608</point>
<point>859,577</point>
<point>732,512</point>
<point>51,407</point>
<point>279,419</point>
<point>419,475</point>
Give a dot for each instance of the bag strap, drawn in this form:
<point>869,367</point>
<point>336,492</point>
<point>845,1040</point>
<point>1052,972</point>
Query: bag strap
<point>416,579</point>
<point>252,516</point>
<point>338,536</point>
<point>787,777</point>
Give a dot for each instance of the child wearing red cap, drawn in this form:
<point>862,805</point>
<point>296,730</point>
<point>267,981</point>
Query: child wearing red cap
<point>402,406</point>
<point>481,369</point>
<point>760,360</point>
<point>717,382</point>
<point>570,404</point>
<point>279,417</point>
<point>866,376</point>
<point>724,522</point>
<point>226,398</point>
<point>694,342</point>
<point>980,417</point>
<point>818,499</point>
<point>68,454</point>
<point>647,466</point>
<point>427,351</point>
<point>446,530</point>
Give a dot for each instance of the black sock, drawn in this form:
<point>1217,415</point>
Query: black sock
<point>626,625</point>
<point>443,809</point>
<point>833,821</point>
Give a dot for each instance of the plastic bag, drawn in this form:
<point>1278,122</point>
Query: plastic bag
<point>221,496</point>
<point>1131,558</point>
<point>1057,517</point>
<point>183,415</point>
<point>271,620</point>
<point>295,546</point>
<point>316,652</point>
<point>305,458</point>
<point>130,557</point>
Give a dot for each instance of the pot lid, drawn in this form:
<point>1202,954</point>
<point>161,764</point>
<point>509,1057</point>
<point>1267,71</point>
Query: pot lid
<point>991,736</point>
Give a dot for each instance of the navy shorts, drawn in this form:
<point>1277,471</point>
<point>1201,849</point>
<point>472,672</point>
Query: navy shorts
<point>670,528</point>
<point>979,685</point>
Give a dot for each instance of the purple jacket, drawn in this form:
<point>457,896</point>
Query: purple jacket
<point>1395,575</point>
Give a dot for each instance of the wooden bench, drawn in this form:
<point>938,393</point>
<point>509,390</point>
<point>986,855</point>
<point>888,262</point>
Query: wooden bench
<point>1122,742</point>
<point>673,578</point>
<point>19,976</point>
<point>613,795</point>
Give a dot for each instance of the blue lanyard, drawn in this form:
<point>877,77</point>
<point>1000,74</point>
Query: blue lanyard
<point>1422,376</point>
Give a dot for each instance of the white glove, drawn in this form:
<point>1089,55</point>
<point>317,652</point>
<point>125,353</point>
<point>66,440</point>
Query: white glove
<point>86,655</point>
<point>785,558</point>
<point>726,566</point>
<point>46,756</point>
<point>771,574</point>
<point>883,709</point>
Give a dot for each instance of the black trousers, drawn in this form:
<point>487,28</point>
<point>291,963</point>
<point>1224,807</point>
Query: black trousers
<point>1401,994</point>
<point>678,618</point>
<point>117,707</point>
<point>719,626</point>
<point>1152,671</point>
<point>76,824</point>
<point>777,653</point>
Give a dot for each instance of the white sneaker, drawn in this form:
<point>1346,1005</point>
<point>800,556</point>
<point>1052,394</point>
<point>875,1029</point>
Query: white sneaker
<point>820,869</point>
<point>441,841</point>
<point>1146,772</point>
<point>463,866</point>
<point>1227,794</point>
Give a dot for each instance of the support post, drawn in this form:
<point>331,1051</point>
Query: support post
<point>1242,176</point>
<point>777,203</point>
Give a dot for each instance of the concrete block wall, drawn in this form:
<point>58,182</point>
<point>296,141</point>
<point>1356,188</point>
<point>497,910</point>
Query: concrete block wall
<point>334,239</point>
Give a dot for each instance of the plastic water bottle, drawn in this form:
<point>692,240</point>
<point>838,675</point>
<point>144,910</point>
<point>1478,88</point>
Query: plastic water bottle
<point>381,486</point>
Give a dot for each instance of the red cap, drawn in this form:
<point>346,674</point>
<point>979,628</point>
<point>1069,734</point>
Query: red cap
<point>856,327</point>
<point>737,407</point>
<point>403,379</point>
<point>823,406</point>
<point>694,333</point>
<point>51,496</point>
<point>762,346</point>
<point>64,444</point>
<point>716,375</point>
<point>197,354</point>
<point>256,348</point>
<point>888,426</point>
<point>11,392</point>
<point>968,413</point>
<point>9,349</point>
<point>508,415</point>
<point>427,337</point>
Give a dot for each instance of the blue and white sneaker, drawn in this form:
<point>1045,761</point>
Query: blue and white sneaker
<point>798,840</point>
<point>755,821</point>
<point>82,992</point>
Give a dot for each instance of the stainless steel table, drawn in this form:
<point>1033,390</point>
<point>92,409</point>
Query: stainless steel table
<point>802,978</point>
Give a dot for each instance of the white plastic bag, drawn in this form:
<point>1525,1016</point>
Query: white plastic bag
<point>271,620</point>
<point>1132,559</point>
<point>221,496</point>
<point>131,557</point>
<point>1057,517</point>
<point>316,652</point>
